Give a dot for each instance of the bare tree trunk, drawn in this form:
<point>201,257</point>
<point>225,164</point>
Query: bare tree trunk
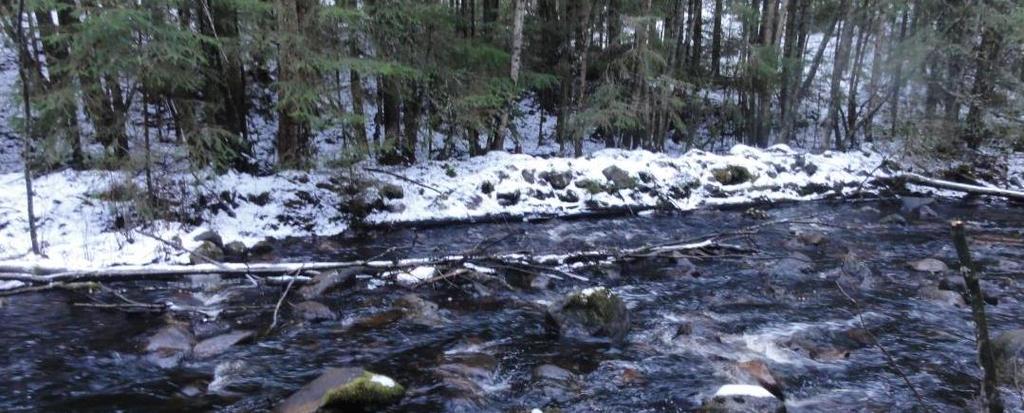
<point>990,389</point>
<point>698,37</point>
<point>292,131</point>
<point>986,58</point>
<point>840,62</point>
<point>897,88</point>
<point>26,97</point>
<point>716,41</point>
<point>517,56</point>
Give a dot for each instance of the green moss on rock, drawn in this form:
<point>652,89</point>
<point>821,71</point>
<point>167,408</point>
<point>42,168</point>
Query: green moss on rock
<point>369,389</point>
<point>733,175</point>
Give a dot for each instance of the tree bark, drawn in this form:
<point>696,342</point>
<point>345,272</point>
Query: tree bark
<point>990,389</point>
<point>716,41</point>
<point>986,59</point>
<point>293,129</point>
<point>27,138</point>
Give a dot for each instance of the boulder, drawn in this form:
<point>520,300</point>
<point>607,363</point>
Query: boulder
<point>228,375</point>
<point>235,250</point>
<point>568,196</point>
<point>326,281</point>
<point>206,250</point>
<point>945,297</point>
<point>487,187</point>
<point>528,176</point>
<point>555,383</point>
<point>392,191</point>
<point>313,311</point>
<point>216,345</point>
<point>619,178</point>
<point>419,311</point>
<point>733,175</point>
<point>743,398</point>
<point>211,236</point>
<point>893,219</point>
<point>593,313</point>
<point>169,345</point>
<point>1008,352</point>
<point>344,389</point>
<point>756,371</point>
<point>261,248</point>
<point>508,198</point>
<point>931,265</point>
<point>557,180</point>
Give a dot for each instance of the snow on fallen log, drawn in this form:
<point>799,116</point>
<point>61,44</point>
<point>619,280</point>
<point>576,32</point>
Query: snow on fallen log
<point>960,187</point>
<point>31,272</point>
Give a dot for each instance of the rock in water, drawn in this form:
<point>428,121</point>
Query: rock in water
<point>1008,352</point>
<point>742,398</point>
<point>169,345</point>
<point>313,311</point>
<point>324,282</point>
<point>216,345</point>
<point>931,265</point>
<point>594,312</point>
<point>344,389</point>
<point>419,311</point>
<point>893,219</point>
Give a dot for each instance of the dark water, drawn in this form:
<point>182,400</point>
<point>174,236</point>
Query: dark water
<point>62,357</point>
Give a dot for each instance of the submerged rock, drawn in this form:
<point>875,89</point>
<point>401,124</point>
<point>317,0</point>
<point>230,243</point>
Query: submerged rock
<point>756,371</point>
<point>555,383</point>
<point>594,312</point>
<point>216,345</point>
<point>419,311</point>
<point>893,219</point>
<point>742,398</point>
<point>313,311</point>
<point>169,345</point>
<point>344,389</point>
<point>931,265</point>
<point>227,375</point>
<point>324,282</point>
<point>934,294</point>
<point>1008,352</point>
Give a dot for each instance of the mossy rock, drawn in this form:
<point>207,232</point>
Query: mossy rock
<point>619,178</point>
<point>392,191</point>
<point>367,390</point>
<point>206,250</point>
<point>589,314</point>
<point>733,175</point>
<point>344,389</point>
<point>592,187</point>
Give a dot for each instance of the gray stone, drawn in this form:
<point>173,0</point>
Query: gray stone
<point>419,311</point>
<point>931,265</point>
<point>595,313</point>
<point>324,282</point>
<point>216,345</point>
<point>944,297</point>
<point>169,345</point>
<point>568,196</point>
<point>743,403</point>
<point>619,178</point>
<point>235,249</point>
<point>557,180</point>
<point>893,219</point>
<point>1008,352</point>
<point>211,236</point>
<point>313,311</point>
<point>508,198</point>
<point>206,251</point>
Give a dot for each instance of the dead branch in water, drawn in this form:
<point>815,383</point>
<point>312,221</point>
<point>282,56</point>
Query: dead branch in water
<point>993,402</point>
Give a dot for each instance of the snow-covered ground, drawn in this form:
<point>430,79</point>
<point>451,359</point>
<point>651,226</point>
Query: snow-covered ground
<point>79,222</point>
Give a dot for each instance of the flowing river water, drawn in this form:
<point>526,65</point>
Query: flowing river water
<point>791,306</point>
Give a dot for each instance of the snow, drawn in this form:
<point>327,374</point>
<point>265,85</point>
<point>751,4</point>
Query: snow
<point>383,380</point>
<point>415,276</point>
<point>589,291</point>
<point>743,390</point>
<point>77,224</point>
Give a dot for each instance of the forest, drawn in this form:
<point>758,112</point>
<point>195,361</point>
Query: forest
<point>301,206</point>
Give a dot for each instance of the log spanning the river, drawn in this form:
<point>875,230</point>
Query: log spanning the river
<point>960,187</point>
<point>36,273</point>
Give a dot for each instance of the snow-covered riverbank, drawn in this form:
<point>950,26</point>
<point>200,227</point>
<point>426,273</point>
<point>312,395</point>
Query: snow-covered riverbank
<point>80,225</point>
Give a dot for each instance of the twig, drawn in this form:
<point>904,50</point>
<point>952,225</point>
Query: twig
<point>277,308</point>
<point>180,247</point>
<point>404,178</point>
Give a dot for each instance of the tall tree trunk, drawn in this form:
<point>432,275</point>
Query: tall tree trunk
<point>986,58</point>
<point>391,116</point>
<point>356,88</point>
<point>897,88</point>
<point>698,37</point>
<point>293,129</point>
<point>514,67</point>
<point>840,62</point>
<point>224,81</point>
<point>27,138</point>
<point>792,64</point>
<point>56,51</point>
<point>716,41</point>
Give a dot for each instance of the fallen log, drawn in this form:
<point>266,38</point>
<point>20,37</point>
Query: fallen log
<point>36,273</point>
<point>960,187</point>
